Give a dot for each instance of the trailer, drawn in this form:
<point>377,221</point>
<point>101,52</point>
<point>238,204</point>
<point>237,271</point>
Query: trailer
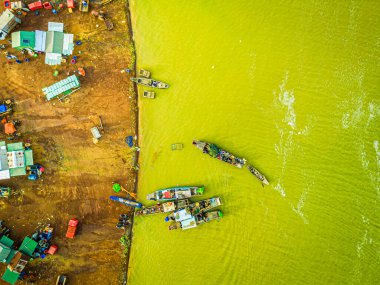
<point>8,21</point>
<point>62,89</point>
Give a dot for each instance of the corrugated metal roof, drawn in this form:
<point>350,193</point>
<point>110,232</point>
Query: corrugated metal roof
<point>55,27</point>
<point>40,41</point>
<point>53,58</point>
<point>68,44</point>
<point>54,42</point>
<point>58,88</point>
<point>23,39</point>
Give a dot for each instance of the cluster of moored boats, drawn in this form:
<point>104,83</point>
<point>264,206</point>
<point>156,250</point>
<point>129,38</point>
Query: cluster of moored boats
<point>181,212</point>
<point>175,201</point>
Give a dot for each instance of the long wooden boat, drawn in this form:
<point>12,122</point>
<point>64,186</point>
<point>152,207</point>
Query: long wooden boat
<point>126,201</point>
<point>163,207</point>
<point>216,152</point>
<point>176,193</point>
<point>204,205</point>
<point>150,82</point>
<point>187,221</point>
<point>258,175</point>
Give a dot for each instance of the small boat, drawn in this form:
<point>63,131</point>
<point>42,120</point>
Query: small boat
<point>150,82</point>
<point>258,175</point>
<point>198,207</point>
<point>163,208</point>
<point>176,193</point>
<point>184,220</point>
<point>126,201</point>
<point>216,152</point>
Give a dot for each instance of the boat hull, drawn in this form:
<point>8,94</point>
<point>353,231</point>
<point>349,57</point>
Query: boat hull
<point>126,201</point>
<point>163,208</point>
<point>258,175</point>
<point>176,193</point>
<point>150,82</point>
<point>218,153</point>
<point>194,221</point>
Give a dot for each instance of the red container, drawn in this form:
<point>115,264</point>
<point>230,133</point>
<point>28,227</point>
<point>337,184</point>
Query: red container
<point>52,249</point>
<point>72,228</point>
<point>70,4</point>
<point>47,6</point>
<point>35,5</point>
<point>7,4</point>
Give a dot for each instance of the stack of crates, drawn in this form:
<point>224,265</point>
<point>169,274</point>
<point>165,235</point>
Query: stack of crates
<point>61,87</point>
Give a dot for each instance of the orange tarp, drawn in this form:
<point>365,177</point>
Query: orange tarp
<point>9,128</point>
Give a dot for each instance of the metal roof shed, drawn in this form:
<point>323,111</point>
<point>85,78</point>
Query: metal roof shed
<point>40,41</point>
<point>54,42</point>
<point>65,86</point>
<point>10,276</point>
<point>55,27</point>
<point>28,246</point>
<point>23,39</point>
<point>8,21</point>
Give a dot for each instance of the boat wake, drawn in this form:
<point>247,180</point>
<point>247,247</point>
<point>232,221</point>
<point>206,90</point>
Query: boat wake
<point>300,205</point>
<point>284,101</point>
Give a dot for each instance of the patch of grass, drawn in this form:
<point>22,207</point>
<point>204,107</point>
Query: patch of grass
<point>126,244</point>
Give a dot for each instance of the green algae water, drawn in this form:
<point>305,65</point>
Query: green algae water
<point>294,88</point>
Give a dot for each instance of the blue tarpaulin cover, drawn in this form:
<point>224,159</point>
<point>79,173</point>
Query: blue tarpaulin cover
<point>3,108</point>
<point>129,141</point>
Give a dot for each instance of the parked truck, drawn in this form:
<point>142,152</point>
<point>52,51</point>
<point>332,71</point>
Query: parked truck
<point>71,230</point>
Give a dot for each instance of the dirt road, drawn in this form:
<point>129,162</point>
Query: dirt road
<point>79,174</point>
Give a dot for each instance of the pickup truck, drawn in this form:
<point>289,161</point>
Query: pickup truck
<point>73,223</point>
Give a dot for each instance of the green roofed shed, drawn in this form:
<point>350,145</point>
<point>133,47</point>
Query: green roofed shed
<point>54,42</point>
<point>4,252</point>
<point>10,276</point>
<point>28,246</point>
<point>6,241</point>
<point>23,39</point>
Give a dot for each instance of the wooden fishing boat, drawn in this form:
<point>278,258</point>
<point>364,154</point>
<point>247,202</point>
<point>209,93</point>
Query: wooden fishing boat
<point>150,82</point>
<point>216,152</point>
<point>176,193</point>
<point>163,208</point>
<point>184,220</point>
<point>126,201</point>
<point>258,175</point>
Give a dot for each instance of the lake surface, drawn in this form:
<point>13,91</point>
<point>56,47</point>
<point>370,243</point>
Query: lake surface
<point>291,86</point>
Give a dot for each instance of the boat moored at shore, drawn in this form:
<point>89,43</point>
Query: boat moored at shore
<point>184,220</point>
<point>150,82</point>
<point>163,208</point>
<point>258,175</point>
<point>176,193</point>
<point>126,201</point>
<point>216,152</point>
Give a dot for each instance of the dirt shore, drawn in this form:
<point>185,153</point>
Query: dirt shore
<point>79,173</point>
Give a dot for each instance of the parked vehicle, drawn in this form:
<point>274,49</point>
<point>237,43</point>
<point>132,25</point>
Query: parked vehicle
<point>35,171</point>
<point>5,192</point>
<point>61,280</point>
<point>72,228</point>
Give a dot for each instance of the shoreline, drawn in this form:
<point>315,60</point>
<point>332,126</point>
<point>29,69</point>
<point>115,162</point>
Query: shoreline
<point>131,43</point>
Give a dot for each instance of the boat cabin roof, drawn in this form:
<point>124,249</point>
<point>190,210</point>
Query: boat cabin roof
<point>182,215</point>
<point>189,223</point>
